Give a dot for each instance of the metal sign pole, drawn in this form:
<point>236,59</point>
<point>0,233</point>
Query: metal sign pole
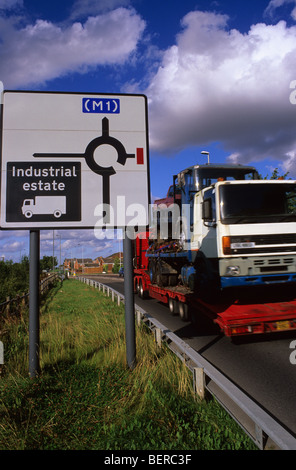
<point>129,301</point>
<point>34,367</point>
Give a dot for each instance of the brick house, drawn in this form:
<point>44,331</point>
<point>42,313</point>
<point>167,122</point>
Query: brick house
<point>89,266</point>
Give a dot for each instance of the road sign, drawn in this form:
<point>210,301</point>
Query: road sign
<point>74,160</point>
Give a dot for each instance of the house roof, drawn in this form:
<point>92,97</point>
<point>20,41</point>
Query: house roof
<point>108,260</point>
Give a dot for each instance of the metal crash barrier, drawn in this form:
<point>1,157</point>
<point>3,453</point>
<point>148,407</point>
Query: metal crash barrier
<point>262,428</point>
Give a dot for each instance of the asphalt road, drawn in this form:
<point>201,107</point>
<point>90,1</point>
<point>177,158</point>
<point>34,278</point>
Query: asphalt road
<point>260,366</point>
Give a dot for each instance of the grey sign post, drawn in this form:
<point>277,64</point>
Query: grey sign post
<point>129,301</point>
<point>34,364</point>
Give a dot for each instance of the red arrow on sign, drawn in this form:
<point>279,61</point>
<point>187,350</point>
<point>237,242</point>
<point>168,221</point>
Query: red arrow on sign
<point>140,156</point>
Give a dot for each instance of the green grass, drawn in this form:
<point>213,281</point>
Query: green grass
<point>87,399</point>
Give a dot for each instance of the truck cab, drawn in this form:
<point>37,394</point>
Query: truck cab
<point>194,180</point>
<point>247,229</point>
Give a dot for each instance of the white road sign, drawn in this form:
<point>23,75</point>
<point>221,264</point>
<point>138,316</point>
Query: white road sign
<point>74,160</point>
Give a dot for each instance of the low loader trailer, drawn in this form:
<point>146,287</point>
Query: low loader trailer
<point>242,312</point>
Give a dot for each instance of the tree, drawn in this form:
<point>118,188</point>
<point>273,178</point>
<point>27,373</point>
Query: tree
<point>116,265</point>
<point>105,268</point>
<point>14,278</point>
<point>47,263</point>
<point>275,175</point>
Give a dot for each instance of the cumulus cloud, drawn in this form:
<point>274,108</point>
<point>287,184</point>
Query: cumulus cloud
<point>85,8</point>
<point>10,4</point>
<point>13,245</point>
<point>42,51</point>
<point>217,84</point>
<point>276,4</point>
<point>75,243</point>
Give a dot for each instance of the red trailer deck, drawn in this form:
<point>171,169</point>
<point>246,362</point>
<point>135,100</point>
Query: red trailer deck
<point>251,318</point>
<point>245,312</point>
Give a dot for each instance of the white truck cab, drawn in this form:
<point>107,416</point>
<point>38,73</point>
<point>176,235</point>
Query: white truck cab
<point>247,231</point>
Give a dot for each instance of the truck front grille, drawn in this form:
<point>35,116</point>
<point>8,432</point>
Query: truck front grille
<point>275,239</point>
<point>276,243</point>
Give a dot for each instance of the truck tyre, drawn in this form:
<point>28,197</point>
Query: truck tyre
<point>173,306</point>
<point>28,214</point>
<point>151,269</point>
<point>206,283</point>
<point>184,311</point>
<point>137,288</point>
<point>142,293</point>
<point>161,279</point>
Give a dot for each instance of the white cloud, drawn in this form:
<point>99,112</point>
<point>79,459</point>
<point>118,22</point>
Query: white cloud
<point>42,51</point>
<point>13,246</point>
<point>76,243</point>
<point>276,4</point>
<point>217,84</point>
<point>10,4</point>
<point>13,249</point>
<point>85,8</point>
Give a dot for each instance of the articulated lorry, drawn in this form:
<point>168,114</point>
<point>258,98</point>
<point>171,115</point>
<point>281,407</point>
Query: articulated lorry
<point>226,247</point>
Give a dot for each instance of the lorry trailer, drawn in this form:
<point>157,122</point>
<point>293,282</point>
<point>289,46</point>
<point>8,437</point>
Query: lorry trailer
<point>239,313</point>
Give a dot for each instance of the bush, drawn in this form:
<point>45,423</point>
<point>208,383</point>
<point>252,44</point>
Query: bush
<point>14,278</point>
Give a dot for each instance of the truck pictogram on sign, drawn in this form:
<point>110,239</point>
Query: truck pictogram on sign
<point>55,205</point>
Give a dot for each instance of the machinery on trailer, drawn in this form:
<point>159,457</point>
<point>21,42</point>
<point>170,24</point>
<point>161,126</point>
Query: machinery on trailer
<point>261,310</point>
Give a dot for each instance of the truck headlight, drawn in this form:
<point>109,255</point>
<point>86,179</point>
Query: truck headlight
<point>232,270</point>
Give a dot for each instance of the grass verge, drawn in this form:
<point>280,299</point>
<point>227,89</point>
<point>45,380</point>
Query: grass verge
<point>86,398</point>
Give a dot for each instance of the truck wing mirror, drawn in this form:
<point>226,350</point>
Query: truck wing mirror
<point>207,213</point>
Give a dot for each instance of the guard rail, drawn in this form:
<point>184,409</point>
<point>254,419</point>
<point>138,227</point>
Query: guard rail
<point>20,300</point>
<point>263,429</point>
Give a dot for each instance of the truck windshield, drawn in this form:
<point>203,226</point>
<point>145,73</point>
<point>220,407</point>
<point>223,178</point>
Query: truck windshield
<point>258,203</point>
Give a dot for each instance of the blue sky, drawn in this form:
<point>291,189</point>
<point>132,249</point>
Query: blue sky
<point>217,75</point>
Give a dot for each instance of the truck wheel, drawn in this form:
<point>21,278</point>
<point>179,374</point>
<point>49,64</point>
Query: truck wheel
<point>173,306</point>
<point>158,274</point>
<point>207,285</point>
<point>184,311</point>
<point>161,274</point>
<point>28,214</point>
<point>57,213</point>
<point>142,292</point>
<point>151,269</point>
